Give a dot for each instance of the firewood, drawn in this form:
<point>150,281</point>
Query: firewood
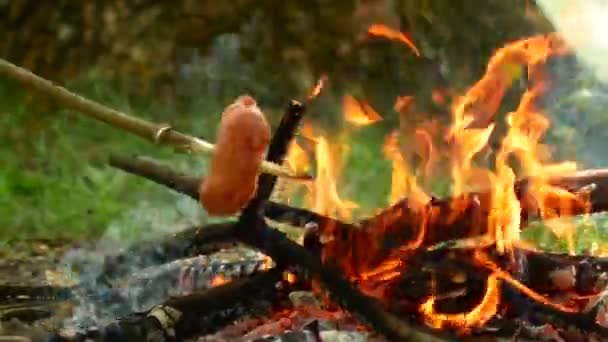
<point>400,224</point>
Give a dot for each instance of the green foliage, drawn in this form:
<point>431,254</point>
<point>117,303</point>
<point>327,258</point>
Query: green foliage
<point>591,235</point>
<point>54,181</point>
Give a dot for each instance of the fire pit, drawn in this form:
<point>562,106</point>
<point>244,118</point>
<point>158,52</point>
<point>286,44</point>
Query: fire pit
<point>422,269</point>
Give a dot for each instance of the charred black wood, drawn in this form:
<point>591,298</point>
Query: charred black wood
<point>252,215</point>
<point>221,305</point>
<point>16,293</point>
<point>151,286</point>
<point>190,242</point>
<point>546,273</point>
<point>541,313</point>
<point>202,312</point>
<point>457,281</point>
<point>585,275</point>
<point>277,149</point>
<point>284,251</point>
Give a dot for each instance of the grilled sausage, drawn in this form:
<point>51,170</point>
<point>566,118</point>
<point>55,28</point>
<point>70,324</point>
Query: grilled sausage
<point>242,139</point>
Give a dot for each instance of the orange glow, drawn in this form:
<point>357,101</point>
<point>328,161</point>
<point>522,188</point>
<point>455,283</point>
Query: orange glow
<point>386,32</point>
<point>289,277</point>
<point>317,88</point>
<point>267,263</point>
<point>297,159</point>
<point>218,280</point>
<point>472,127</point>
<point>307,131</point>
<point>324,197</point>
<point>483,312</point>
<point>403,182</point>
<point>481,154</point>
<point>403,103</point>
<point>503,275</point>
<point>358,112</point>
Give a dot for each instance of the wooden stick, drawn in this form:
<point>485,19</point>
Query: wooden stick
<point>162,174</point>
<point>154,132</point>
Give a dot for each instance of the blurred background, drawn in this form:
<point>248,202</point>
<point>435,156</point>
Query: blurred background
<point>183,61</point>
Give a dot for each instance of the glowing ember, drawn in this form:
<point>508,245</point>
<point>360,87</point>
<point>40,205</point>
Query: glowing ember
<point>317,89</point>
<point>218,280</point>
<point>289,277</point>
<point>359,112</point>
<point>483,312</point>
<point>503,275</point>
<point>386,32</point>
<point>267,263</point>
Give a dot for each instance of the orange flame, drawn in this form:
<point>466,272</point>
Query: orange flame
<point>472,127</point>
<point>503,275</point>
<point>403,182</point>
<point>317,88</point>
<point>386,32</point>
<point>297,159</point>
<point>324,192</point>
<point>483,312</point>
<point>359,112</point>
<point>470,143</point>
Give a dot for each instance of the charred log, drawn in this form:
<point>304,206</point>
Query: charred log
<point>568,291</point>
<point>200,312</point>
<point>193,241</point>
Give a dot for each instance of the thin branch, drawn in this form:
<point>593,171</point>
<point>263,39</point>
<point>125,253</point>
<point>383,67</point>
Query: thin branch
<point>154,132</point>
<point>162,174</point>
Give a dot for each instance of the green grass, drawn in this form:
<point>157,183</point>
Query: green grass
<point>54,182</point>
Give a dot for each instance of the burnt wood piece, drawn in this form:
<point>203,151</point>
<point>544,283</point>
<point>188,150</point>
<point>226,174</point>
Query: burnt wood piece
<point>10,294</point>
<point>190,242</point>
<point>202,312</point>
<point>458,282</point>
<point>546,273</point>
<point>284,251</point>
<point>277,149</point>
<point>454,218</point>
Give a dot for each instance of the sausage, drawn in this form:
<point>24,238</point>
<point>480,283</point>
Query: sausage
<point>242,138</point>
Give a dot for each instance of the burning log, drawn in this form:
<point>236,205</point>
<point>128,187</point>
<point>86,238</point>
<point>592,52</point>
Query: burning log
<point>252,230</point>
<point>442,220</point>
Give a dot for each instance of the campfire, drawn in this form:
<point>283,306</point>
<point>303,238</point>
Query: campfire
<point>424,268</point>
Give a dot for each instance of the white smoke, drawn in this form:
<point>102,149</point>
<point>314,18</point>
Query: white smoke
<point>584,24</point>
